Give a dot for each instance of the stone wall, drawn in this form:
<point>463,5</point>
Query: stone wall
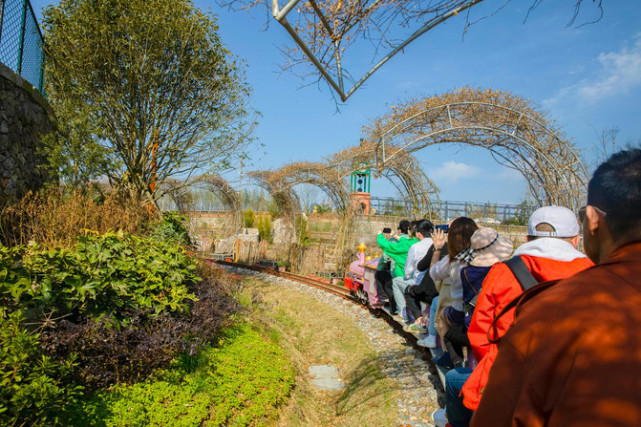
<point>25,117</point>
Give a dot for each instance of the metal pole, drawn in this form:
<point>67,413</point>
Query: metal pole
<point>1,18</point>
<point>22,31</point>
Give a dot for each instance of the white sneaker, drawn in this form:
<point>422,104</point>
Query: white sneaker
<point>429,341</point>
<point>440,418</point>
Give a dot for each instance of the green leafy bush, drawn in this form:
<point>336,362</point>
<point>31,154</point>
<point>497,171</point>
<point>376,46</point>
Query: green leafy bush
<point>171,229</point>
<point>112,310</point>
<point>108,355</point>
<point>33,387</point>
<point>107,275</point>
<point>240,382</point>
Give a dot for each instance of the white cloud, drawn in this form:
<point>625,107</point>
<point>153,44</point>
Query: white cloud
<point>453,171</point>
<point>509,174</point>
<point>617,73</point>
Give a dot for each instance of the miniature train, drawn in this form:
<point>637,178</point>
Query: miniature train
<point>359,278</point>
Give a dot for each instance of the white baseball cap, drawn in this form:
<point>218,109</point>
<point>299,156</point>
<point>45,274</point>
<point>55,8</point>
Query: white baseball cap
<point>562,219</point>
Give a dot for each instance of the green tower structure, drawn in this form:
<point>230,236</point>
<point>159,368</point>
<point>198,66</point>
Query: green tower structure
<point>361,181</point>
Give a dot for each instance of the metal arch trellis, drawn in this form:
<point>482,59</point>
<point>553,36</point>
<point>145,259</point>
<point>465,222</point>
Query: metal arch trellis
<point>331,177</point>
<point>227,194</point>
<point>338,84</point>
<point>509,127</point>
<point>282,181</point>
<point>404,173</point>
<point>324,30</point>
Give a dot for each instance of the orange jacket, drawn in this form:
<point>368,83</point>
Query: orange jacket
<point>573,355</point>
<point>500,287</point>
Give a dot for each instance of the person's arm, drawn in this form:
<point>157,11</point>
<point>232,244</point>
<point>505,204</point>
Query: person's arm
<point>392,248</point>
<point>426,261</point>
<point>410,263</point>
<point>457,334</point>
<point>439,238</point>
<point>441,270</point>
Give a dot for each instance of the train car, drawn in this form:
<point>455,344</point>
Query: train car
<point>359,278</point>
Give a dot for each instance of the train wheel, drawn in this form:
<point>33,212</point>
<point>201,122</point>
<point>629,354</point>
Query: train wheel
<point>361,296</point>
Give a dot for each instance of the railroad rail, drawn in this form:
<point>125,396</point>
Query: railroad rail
<point>340,291</point>
<point>334,289</point>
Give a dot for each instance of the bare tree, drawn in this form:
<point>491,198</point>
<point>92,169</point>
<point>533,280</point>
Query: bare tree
<point>324,31</point>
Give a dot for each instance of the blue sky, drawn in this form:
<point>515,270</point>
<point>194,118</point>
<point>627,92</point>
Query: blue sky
<point>586,77</point>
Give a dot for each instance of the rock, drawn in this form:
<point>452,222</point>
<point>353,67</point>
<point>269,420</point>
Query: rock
<point>283,232</point>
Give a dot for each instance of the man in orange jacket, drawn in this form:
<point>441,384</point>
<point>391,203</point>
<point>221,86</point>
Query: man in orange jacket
<point>573,355</point>
<point>549,254</point>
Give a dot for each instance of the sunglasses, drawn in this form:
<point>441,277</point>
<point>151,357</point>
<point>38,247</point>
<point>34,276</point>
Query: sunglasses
<point>584,208</point>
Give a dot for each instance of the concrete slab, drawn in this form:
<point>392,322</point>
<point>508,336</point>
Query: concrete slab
<point>326,377</point>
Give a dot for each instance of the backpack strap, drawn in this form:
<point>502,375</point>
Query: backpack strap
<point>525,279</point>
<point>521,272</point>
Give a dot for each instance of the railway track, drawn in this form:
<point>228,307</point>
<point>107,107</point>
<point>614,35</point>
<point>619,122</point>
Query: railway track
<point>340,291</point>
<point>334,289</point>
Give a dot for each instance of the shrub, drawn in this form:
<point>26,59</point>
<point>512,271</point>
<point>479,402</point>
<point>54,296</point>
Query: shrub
<point>301,230</point>
<point>108,355</point>
<point>55,219</point>
<point>126,305</point>
<point>33,387</point>
<point>240,382</point>
<point>249,218</point>
<point>171,229</point>
<point>322,208</point>
<point>109,275</point>
<point>264,225</point>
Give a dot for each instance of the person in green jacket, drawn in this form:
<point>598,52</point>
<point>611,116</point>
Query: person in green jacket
<point>398,252</point>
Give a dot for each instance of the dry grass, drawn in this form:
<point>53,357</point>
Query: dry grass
<point>53,218</point>
<point>313,333</point>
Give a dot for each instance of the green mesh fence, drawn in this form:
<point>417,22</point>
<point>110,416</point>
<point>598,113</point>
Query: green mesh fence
<point>21,41</point>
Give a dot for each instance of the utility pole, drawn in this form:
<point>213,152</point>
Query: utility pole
<point>240,184</point>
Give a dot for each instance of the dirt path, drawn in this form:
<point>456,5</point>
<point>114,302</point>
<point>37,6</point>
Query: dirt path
<point>387,382</point>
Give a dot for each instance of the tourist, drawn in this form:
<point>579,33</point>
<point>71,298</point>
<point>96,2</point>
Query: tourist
<point>572,356</point>
<point>398,252</point>
<point>412,275</point>
<point>549,254</point>
<point>448,267</point>
<point>486,249</point>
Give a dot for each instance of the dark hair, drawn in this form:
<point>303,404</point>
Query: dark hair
<point>459,235</point>
<point>425,227</point>
<point>413,226</point>
<point>404,225</point>
<point>615,188</point>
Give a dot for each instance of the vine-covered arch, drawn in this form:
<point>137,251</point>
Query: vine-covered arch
<point>226,193</point>
<point>403,171</point>
<point>280,184</point>
<point>516,134</point>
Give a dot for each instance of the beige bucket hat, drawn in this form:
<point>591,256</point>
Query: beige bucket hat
<point>487,248</point>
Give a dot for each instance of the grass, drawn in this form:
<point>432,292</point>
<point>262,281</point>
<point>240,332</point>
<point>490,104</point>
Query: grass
<point>312,333</point>
<point>241,382</point>
<point>257,374</point>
